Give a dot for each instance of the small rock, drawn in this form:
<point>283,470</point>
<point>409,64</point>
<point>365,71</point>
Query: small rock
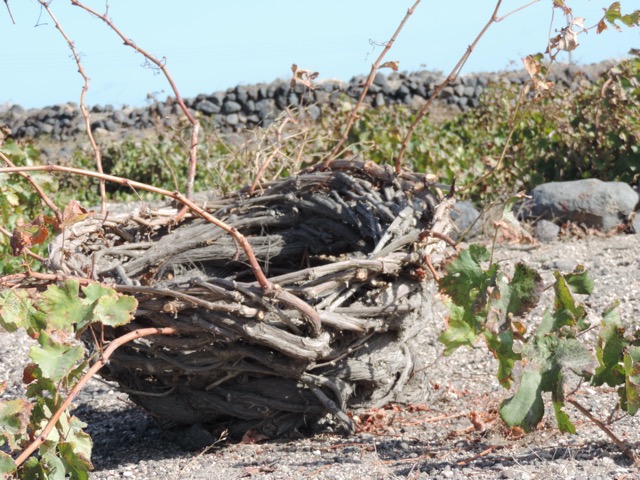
<point>232,119</point>
<point>560,265</point>
<point>231,107</point>
<point>546,231</point>
<point>207,107</point>
<point>314,112</point>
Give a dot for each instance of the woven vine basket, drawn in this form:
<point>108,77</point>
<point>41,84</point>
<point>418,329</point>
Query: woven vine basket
<point>351,241</point>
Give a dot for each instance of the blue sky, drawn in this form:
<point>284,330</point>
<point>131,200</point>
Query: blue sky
<point>212,45</point>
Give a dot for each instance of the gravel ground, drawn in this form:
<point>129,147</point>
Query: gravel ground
<point>454,436</point>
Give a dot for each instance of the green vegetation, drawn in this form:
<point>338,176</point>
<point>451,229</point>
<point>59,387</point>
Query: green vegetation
<point>593,132</point>
<point>505,145</point>
<point>485,303</point>
<point>19,202</point>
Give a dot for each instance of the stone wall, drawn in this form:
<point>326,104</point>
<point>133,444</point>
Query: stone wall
<point>247,106</point>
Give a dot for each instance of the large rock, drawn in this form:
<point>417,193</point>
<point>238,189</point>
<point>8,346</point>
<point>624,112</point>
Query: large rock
<point>593,203</point>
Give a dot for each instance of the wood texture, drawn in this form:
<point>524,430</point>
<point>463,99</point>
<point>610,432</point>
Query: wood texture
<point>341,330</point>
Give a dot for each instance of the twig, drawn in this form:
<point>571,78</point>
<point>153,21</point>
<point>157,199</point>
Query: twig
<point>479,455</point>
<point>6,2</point>
<point>621,445</point>
<point>83,108</point>
<point>516,10</point>
<point>374,68</point>
<point>118,342</point>
<point>450,78</point>
<point>242,241</point>
<point>268,161</point>
<point>161,64</point>
<point>37,188</point>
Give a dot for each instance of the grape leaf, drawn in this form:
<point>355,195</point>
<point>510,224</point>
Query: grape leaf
<point>55,360</point>
<point>501,345</point>
<point>580,281</point>
<point>525,409</point>
<point>465,278</point>
<point>611,345</point>
<point>460,329</point>
<point>564,423</point>
<point>108,306</point>
<point>64,307</point>
<point>631,400</point>
<point>7,465</point>
<point>14,419</point>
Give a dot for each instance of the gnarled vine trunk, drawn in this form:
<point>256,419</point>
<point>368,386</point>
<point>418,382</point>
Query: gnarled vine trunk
<point>346,240</point>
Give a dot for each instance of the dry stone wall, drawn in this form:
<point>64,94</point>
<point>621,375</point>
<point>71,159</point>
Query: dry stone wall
<point>248,106</point>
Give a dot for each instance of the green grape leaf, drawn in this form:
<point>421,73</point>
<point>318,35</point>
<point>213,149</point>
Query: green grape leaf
<point>613,13</point>
<point>53,465</point>
<point>501,345</point>
<point>55,361</point>
<point>460,330</point>
<point>566,312</point>
<point>580,281</point>
<point>16,310</point>
<point>465,277</point>
<point>631,402</point>
<point>34,469</point>
<point>7,465</point>
<point>64,307</point>
<point>525,289</point>
<point>75,452</point>
<point>109,307</point>
<point>14,420</point>
<point>564,423</point>
<point>526,408</point>
<point>631,19</point>
<point>564,301</point>
<point>609,351</point>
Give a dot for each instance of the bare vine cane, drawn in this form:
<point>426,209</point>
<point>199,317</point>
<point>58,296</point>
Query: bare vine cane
<point>88,375</point>
<point>374,68</point>
<point>450,78</point>
<point>268,287</point>
<point>161,65</point>
<point>83,107</point>
<point>43,196</point>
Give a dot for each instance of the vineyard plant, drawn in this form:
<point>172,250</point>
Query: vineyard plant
<point>515,139</point>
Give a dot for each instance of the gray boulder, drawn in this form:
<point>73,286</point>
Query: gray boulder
<point>464,214</point>
<point>591,202</point>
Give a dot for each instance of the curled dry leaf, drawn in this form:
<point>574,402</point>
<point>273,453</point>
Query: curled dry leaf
<point>73,213</point>
<point>29,234</point>
<point>303,77</point>
<point>394,65</point>
<point>568,40</point>
<point>538,80</point>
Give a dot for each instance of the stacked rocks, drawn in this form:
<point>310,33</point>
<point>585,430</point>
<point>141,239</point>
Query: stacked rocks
<point>248,106</point>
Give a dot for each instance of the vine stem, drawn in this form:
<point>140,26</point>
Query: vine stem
<point>161,65</point>
<point>231,230</point>
<point>83,107</point>
<point>115,344</point>
<point>621,445</point>
<point>36,187</point>
<point>450,78</point>
<point>374,68</point>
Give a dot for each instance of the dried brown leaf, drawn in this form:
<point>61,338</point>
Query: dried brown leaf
<point>393,65</point>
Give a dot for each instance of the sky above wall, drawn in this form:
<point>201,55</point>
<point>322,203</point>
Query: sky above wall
<point>211,45</point>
